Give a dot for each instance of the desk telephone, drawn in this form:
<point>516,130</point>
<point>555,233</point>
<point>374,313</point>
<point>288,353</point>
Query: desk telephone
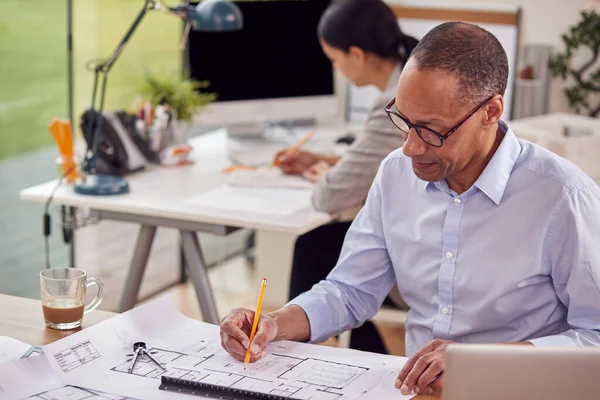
<point>121,149</point>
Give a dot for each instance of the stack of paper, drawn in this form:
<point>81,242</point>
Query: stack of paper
<point>11,349</point>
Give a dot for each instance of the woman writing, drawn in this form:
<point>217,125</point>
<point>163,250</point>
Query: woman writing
<point>365,44</point>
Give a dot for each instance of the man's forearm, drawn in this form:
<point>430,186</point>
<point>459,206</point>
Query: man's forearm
<point>292,324</point>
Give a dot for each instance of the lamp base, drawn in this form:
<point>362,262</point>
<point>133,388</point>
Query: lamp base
<point>102,185</point>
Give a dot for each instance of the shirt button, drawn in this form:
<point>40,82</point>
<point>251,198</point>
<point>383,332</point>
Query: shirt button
<point>445,310</point>
<point>448,255</point>
<point>457,201</point>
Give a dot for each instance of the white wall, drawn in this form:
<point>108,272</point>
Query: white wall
<point>543,21</point>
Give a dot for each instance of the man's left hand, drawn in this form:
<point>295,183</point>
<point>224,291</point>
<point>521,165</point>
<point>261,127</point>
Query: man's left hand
<point>423,371</point>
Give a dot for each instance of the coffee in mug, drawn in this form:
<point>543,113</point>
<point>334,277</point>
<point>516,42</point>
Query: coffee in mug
<point>63,293</point>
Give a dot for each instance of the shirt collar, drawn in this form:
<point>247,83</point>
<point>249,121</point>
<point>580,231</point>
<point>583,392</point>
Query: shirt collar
<point>494,178</point>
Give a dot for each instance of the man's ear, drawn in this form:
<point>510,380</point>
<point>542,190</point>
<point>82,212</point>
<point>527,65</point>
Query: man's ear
<point>357,54</point>
<point>494,109</point>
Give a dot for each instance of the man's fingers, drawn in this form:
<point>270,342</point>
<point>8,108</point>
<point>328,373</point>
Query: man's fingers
<point>242,357</point>
<point>265,333</point>
<point>233,346</point>
<point>231,329</point>
<point>412,360</point>
<point>410,364</point>
<point>426,378</point>
<point>257,357</point>
<point>420,365</point>
<point>438,384</point>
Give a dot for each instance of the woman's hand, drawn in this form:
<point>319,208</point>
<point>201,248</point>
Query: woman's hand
<point>317,171</point>
<point>295,163</point>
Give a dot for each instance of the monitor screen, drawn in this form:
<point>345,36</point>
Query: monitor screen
<point>276,54</point>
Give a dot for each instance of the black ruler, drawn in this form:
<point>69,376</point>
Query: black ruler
<point>209,391</point>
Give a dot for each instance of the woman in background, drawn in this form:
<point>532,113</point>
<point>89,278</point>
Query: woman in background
<point>365,44</point>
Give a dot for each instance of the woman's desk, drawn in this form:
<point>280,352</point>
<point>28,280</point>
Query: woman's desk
<point>158,197</point>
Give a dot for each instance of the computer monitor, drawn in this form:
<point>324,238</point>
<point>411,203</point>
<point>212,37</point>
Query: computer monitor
<point>272,70</point>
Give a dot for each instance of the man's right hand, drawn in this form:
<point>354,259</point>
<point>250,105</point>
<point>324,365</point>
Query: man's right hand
<point>235,334</point>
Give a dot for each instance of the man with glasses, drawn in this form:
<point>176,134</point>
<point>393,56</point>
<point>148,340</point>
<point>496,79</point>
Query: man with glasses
<point>490,238</point>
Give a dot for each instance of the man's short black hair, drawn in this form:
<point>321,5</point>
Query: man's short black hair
<point>468,52</point>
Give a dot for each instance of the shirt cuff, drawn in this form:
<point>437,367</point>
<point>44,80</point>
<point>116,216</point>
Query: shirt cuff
<point>318,319</point>
<point>553,341</point>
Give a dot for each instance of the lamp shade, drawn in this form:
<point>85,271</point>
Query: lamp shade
<point>217,16</point>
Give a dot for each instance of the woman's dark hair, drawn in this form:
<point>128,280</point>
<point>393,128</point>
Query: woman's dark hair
<point>367,24</point>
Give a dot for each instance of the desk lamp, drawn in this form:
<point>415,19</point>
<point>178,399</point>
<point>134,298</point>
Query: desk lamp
<point>209,15</point>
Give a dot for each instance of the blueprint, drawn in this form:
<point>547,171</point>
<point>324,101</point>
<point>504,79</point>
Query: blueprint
<point>280,374</point>
<point>98,359</point>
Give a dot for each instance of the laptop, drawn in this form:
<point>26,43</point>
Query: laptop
<point>513,372</point>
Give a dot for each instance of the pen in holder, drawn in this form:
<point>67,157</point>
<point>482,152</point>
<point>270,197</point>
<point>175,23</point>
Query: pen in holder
<point>163,133</point>
<point>63,136</point>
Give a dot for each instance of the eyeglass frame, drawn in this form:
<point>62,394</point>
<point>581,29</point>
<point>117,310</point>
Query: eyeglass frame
<point>417,127</point>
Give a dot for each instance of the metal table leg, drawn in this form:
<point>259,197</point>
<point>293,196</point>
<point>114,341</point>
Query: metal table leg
<point>138,265</point>
<point>198,273</point>
<point>182,265</point>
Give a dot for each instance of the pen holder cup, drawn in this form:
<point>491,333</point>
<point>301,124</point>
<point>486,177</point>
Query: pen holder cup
<point>67,167</point>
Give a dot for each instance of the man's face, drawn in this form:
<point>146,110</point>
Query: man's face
<point>430,98</point>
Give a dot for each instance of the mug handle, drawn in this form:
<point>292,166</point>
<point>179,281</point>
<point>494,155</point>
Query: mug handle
<point>98,299</point>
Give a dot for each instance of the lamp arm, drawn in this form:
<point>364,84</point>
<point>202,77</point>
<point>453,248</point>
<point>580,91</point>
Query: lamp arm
<point>107,65</point>
<point>103,68</point>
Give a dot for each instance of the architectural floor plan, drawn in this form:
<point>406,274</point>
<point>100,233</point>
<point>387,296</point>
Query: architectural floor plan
<point>100,358</point>
<point>284,375</point>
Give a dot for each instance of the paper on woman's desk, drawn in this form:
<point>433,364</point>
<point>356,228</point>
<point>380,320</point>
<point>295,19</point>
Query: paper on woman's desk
<point>270,201</point>
<point>96,358</point>
<point>268,178</point>
<point>11,349</point>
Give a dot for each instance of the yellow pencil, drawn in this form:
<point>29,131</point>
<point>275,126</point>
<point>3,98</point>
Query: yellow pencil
<point>295,148</point>
<point>256,317</point>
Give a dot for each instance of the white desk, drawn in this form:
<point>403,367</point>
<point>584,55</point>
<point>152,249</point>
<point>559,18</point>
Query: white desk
<point>156,199</point>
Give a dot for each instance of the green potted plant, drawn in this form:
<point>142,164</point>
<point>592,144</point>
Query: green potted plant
<point>585,77</point>
<point>182,95</point>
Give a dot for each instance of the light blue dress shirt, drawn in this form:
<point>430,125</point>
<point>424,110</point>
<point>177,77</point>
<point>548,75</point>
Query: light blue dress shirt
<point>514,258</point>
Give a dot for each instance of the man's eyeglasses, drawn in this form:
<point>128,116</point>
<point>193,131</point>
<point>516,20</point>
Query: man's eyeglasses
<point>429,136</point>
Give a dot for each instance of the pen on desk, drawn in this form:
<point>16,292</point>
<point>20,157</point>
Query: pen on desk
<point>256,318</point>
<point>296,147</point>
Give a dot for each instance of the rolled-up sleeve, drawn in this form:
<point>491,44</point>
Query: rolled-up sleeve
<point>574,255</point>
<point>355,289</point>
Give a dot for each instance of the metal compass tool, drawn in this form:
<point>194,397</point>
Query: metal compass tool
<point>139,352</point>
